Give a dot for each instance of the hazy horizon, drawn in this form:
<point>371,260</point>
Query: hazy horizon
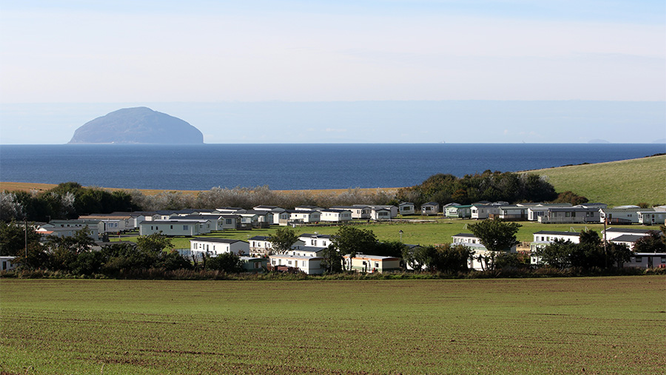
<point>472,121</point>
<point>268,64</point>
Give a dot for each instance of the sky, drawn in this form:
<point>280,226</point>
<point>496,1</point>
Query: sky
<point>64,63</point>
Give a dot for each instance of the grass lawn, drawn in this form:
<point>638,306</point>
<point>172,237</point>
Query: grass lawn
<point>501,326</point>
<point>413,233</point>
<point>615,183</point>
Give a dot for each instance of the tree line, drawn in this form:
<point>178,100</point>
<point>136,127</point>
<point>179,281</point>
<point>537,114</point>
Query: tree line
<point>70,200</point>
<point>487,186</point>
<point>75,254</point>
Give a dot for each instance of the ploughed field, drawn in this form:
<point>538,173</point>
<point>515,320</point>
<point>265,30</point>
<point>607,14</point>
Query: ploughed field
<point>527,326</point>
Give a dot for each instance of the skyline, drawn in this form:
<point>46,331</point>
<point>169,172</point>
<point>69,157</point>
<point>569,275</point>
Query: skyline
<point>167,55</point>
<point>475,121</point>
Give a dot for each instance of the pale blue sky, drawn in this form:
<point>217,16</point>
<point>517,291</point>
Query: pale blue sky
<point>138,52</point>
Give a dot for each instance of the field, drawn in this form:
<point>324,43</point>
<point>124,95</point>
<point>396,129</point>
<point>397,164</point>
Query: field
<point>532,326</point>
<point>429,233</point>
<point>615,183</point>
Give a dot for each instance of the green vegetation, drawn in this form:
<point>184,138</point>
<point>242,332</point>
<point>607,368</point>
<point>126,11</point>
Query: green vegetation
<point>510,326</point>
<point>617,183</point>
<point>489,186</point>
<point>66,201</point>
<point>428,233</point>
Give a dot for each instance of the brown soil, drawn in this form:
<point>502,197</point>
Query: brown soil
<point>29,186</point>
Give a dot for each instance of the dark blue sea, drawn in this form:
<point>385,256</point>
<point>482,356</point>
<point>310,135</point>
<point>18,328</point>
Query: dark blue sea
<point>289,166</point>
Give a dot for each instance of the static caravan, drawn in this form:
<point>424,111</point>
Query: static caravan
<point>217,246</point>
<point>372,263</point>
<point>308,265</point>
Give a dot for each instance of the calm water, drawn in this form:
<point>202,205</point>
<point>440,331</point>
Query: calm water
<point>289,166</point>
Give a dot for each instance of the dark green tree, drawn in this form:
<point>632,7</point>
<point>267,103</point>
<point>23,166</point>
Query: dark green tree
<point>331,259</point>
<point>282,240</point>
<point>452,258</point>
<point>497,236</point>
<point>419,258</point>
<point>12,238</point>
<point>652,243</point>
<point>172,260</point>
<point>227,262</point>
<point>350,241</point>
<point>389,248</point>
<point>557,254</point>
<point>570,197</point>
<point>153,243</point>
<point>88,263</point>
<point>618,254</point>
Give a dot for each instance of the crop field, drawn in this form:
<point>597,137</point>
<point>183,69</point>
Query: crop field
<point>503,326</point>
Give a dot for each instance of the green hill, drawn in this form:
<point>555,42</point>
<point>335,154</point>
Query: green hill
<point>615,183</point>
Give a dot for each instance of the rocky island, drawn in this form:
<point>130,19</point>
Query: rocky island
<point>135,126</point>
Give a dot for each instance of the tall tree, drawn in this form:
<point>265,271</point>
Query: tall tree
<point>419,258</point>
<point>350,241</point>
<point>283,239</point>
<point>497,236</point>
<point>153,243</point>
<point>227,262</point>
<point>12,238</point>
<point>557,254</point>
<point>618,254</point>
<point>452,258</point>
<point>652,243</point>
<point>332,260</point>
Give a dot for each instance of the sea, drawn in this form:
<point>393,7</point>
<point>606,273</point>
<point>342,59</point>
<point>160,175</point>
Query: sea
<point>290,166</point>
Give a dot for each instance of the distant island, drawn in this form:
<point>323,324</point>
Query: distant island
<point>140,125</point>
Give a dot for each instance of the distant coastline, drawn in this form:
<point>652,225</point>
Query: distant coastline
<point>39,187</point>
<point>289,166</point>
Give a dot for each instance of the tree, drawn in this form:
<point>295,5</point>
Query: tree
<point>589,253</point>
<point>81,241</point>
<point>283,239</point>
<point>125,256</point>
<point>88,263</point>
<point>153,243</point>
<point>389,248</point>
<point>451,258</point>
<point>497,236</point>
<point>226,262</point>
<point>350,241</point>
<point>332,260</point>
<point>419,258</point>
<point>652,243</point>
<point>557,254</point>
<point>172,260</point>
<point>570,197</point>
<point>618,254</point>
<point>37,257</point>
<point>12,238</point>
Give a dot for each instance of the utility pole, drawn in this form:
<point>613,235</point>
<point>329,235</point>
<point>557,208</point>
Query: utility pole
<point>605,242</point>
<point>25,229</point>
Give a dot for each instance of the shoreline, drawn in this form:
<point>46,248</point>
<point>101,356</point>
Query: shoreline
<point>41,187</point>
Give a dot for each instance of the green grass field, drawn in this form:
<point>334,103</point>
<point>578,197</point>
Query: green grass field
<point>413,233</point>
<point>501,326</point>
<point>615,183</point>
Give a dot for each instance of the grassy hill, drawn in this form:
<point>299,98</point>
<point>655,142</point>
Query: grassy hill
<point>615,183</point>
